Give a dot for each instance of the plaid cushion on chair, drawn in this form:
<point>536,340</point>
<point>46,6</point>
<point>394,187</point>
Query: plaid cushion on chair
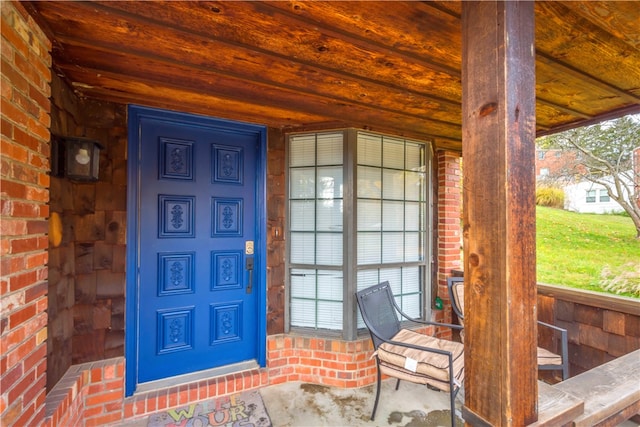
<point>421,366</point>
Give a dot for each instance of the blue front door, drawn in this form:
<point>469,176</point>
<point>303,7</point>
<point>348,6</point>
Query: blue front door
<point>199,283</point>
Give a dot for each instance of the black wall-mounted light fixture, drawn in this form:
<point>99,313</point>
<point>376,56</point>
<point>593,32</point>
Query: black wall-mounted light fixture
<point>75,158</point>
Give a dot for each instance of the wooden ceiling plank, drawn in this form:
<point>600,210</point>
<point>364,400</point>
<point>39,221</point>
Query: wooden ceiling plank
<point>206,37</point>
<point>415,28</point>
<point>138,90</point>
<point>289,38</point>
<point>608,115</point>
<point>251,66</point>
<point>566,69</point>
<point>564,109</point>
<point>579,46</point>
<point>547,117</point>
<point>624,25</point>
<point>201,78</point>
<point>98,78</point>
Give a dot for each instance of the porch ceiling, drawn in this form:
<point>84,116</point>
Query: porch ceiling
<point>387,66</point>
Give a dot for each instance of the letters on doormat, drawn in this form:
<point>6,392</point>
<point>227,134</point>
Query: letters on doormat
<point>237,410</point>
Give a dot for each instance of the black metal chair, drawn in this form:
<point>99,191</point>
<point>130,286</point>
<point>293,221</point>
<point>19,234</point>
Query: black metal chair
<point>405,354</point>
<point>547,360</point>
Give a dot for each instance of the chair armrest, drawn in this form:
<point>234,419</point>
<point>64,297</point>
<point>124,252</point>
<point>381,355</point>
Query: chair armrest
<point>418,347</point>
<point>554,327</point>
<point>428,322</point>
<point>425,322</point>
<point>563,337</point>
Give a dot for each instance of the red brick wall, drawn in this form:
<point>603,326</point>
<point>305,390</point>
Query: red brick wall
<point>24,182</point>
<point>449,237</point>
<point>332,362</point>
<point>92,394</point>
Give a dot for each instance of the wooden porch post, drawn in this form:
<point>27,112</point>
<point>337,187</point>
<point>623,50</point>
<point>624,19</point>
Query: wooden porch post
<point>498,122</point>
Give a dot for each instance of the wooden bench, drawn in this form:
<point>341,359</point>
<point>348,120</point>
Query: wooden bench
<point>610,392</point>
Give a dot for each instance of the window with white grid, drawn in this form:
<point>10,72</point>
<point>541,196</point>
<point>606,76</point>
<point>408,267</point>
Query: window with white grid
<point>391,225</point>
<point>386,180</point>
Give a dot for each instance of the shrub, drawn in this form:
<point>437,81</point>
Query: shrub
<point>622,282</point>
<point>550,196</point>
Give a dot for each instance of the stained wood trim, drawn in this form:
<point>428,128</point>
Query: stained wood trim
<point>606,390</point>
<point>556,407</point>
<point>631,109</point>
<point>595,299</point>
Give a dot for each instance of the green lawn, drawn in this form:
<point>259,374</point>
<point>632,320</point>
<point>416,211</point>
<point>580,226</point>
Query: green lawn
<point>574,249</point>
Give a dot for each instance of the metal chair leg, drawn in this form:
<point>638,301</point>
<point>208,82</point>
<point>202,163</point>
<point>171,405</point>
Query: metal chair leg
<point>398,384</point>
<point>452,397</point>
<point>375,405</point>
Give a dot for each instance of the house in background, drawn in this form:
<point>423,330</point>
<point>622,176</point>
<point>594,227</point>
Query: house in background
<point>588,197</point>
<point>556,165</point>
<point>551,162</point>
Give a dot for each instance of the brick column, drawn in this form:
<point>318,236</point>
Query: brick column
<point>449,211</point>
<point>24,182</point>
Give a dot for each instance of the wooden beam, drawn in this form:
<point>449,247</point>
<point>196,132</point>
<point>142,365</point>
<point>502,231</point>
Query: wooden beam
<point>204,80</point>
<point>498,120</point>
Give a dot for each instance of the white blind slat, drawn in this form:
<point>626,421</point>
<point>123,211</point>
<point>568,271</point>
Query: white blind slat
<point>393,216</point>
<point>369,218</point>
<point>369,149</point>
<point>369,182</point>
<point>330,148</point>
<point>392,247</point>
<point>329,249</point>
<point>329,215</point>
<point>392,184</point>
<point>303,248</point>
<point>393,153</point>
<point>302,150</point>
<point>330,182</point>
<point>369,248</point>
<point>302,216</point>
<point>302,183</point>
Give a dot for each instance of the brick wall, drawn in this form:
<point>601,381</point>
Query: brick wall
<point>449,237</point>
<point>87,268</point>
<point>332,362</point>
<point>24,182</point>
<point>92,394</point>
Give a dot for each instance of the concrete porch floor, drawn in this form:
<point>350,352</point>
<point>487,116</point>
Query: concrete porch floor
<point>300,404</point>
<point>297,404</point>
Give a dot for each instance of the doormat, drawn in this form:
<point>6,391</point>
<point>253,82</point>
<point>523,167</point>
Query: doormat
<point>238,410</point>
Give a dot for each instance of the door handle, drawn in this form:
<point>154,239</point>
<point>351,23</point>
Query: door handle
<point>249,267</point>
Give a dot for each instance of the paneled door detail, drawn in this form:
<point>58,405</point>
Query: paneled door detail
<point>197,187</point>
